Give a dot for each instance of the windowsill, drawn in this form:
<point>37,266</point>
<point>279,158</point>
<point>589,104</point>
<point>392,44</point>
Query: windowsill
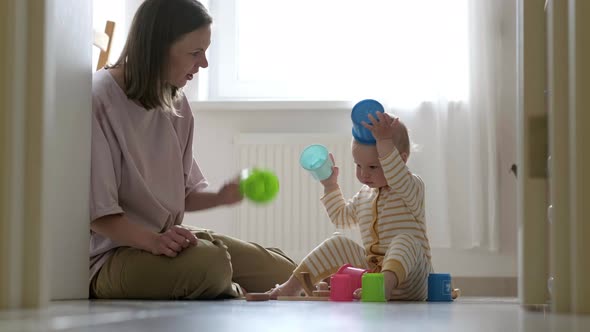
<point>270,105</point>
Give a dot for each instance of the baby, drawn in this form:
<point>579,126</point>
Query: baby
<point>388,209</point>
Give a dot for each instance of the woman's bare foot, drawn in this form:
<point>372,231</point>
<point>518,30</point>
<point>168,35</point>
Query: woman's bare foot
<point>291,287</point>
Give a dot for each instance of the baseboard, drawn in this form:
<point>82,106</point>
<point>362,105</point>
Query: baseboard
<point>487,286</point>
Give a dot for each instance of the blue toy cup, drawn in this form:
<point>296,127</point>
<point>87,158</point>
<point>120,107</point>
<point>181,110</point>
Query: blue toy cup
<point>360,113</point>
<point>316,159</point>
<point>439,287</point>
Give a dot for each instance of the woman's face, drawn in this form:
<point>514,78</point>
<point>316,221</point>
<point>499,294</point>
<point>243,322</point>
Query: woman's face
<point>187,55</point>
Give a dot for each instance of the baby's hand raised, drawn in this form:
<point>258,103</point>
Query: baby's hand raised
<point>331,183</point>
<point>382,127</point>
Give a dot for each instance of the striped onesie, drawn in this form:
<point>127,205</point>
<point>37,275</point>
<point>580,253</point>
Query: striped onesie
<point>393,230</point>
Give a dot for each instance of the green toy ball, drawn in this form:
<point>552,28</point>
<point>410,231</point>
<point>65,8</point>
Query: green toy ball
<point>260,186</point>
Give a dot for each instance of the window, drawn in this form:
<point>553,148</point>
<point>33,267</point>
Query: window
<point>408,51</point>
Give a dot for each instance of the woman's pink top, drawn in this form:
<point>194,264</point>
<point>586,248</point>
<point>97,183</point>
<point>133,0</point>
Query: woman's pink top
<point>142,163</point>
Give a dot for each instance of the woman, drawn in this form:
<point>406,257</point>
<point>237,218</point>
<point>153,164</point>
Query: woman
<point>144,177</point>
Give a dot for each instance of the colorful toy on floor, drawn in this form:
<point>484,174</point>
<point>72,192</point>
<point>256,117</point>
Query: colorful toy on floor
<point>341,288</point>
<point>355,273</point>
<point>258,185</point>
<point>373,288</point>
<point>440,288</point>
<point>344,283</point>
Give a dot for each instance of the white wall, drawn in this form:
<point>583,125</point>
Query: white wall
<point>66,150</point>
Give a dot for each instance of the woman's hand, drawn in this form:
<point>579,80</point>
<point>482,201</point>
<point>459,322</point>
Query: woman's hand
<point>230,193</point>
<point>202,200</point>
<point>173,241</point>
<point>330,184</point>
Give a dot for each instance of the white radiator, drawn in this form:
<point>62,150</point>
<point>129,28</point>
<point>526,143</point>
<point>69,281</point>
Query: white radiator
<point>296,221</point>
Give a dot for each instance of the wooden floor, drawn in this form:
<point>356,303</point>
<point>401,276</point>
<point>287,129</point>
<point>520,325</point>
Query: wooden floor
<point>466,314</point>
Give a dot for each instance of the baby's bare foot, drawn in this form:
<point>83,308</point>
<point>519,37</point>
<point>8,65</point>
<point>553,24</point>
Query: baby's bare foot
<point>291,287</point>
<point>275,292</point>
<point>283,290</point>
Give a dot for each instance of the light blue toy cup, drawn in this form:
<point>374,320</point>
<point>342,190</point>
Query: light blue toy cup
<point>316,159</point>
<point>360,112</point>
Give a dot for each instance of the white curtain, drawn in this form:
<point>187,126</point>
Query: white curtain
<point>455,147</point>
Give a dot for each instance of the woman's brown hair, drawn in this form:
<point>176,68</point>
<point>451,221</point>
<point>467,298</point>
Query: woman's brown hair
<point>156,26</point>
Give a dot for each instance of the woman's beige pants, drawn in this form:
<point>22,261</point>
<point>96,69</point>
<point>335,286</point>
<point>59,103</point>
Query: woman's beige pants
<point>215,268</point>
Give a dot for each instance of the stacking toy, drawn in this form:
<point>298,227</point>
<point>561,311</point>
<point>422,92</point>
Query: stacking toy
<point>439,287</point>
<point>316,159</point>
<point>360,112</point>
<point>356,275</point>
<point>373,288</point>
<point>341,288</point>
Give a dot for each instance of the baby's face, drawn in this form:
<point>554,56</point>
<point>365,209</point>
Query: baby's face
<point>368,168</point>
